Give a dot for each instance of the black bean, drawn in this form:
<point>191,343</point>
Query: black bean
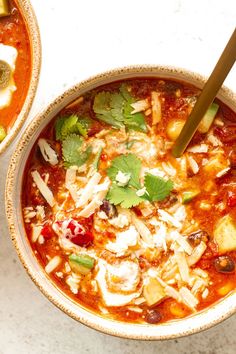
<point>196,237</point>
<point>109,209</point>
<point>152,316</point>
<point>224,264</point>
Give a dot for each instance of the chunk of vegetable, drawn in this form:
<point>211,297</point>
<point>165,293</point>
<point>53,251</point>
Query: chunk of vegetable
<point>4,8</point>
<point>174,128</point>
<point>81,263</point>
<point>225,234</point>
<point>153,292</point>
<point>225,289</point>
<point>208,118</point>
<point>5,74</point>
<point>3,133</point>
<point>188,196</point>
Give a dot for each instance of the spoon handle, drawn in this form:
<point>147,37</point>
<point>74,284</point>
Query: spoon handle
<point>210,89</point>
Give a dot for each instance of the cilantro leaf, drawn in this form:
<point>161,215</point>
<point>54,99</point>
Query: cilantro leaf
<point>157,188</point>
<point>68,126</point>
<point>102,108</point>
<point>96,160</point>
<point>134,121</point>
<point>86,122</point>
<point>71,125</point>
<point>128,164</point>
<point>58,125</point>
<point>125,93</point>
<point>72,151</point>
<point>117,106</point>
<point>125,196</point>
<point>115,109</point>
<point>80,128</point>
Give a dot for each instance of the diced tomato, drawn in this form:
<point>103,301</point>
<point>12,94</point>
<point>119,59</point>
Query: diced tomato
<point>104,157</point>
<point>231,199</point>
<point>232,158</point>
<point>47,231</point>
<point>72,226</point>
<point>227,134</point>
<point>83,239</point>
<point>79,235</point>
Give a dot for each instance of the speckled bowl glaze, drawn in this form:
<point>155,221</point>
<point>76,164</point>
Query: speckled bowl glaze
<point>173,329</point>
<point>35,45</point>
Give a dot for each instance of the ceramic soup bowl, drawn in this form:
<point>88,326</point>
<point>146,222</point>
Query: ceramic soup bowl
<point>29,18</point>
<point>176,328</point>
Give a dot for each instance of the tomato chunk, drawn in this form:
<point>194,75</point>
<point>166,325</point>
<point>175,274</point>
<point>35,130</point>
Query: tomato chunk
<point>227,134</point>
<point>79,235</point>
<point>231,199</point>
<point>47,231</point>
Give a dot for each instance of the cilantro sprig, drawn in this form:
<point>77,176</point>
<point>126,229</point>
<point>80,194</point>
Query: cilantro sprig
<point>157,188</point>
<point>72,152</point>
<point>128,164</point>
<point>72,124</point>
<point>115,109</point>
<point>125,196</point>
<point>71,131</point>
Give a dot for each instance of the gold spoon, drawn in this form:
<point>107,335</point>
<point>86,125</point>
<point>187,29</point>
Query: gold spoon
<point>210,89</point>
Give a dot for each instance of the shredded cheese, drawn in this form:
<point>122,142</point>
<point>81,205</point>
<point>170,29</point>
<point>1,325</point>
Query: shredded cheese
<point>43,188</point>
<point>47,151</point>
<point>87,193</point>
<point>156,107</point>
<point>53,264</point>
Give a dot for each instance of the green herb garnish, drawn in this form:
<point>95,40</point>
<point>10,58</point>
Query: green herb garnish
<point>96,160</point>
<point>58,125</point>
<point>128,164</point>
<point>115,109</point>
<point>73,152</point>
<point>125,196</point>
<point>157,187</point>
<point>71,125</point>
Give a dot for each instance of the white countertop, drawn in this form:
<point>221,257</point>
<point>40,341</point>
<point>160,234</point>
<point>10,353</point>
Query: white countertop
<point>79,39</point>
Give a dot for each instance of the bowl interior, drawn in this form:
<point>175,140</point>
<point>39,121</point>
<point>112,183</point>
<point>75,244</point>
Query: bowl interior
<point>200,321</point>
<point>35,46</point>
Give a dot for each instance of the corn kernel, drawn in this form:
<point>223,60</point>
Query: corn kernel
<point>225,289</point>
<point>177,310</point>
<point>174,128</point>
<point>204,205</point>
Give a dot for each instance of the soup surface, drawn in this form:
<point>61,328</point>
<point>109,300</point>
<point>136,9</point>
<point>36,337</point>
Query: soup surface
<point>15,66</point>
<point>119,224</point>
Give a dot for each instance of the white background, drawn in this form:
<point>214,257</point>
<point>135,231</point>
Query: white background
<point>79,39</point>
